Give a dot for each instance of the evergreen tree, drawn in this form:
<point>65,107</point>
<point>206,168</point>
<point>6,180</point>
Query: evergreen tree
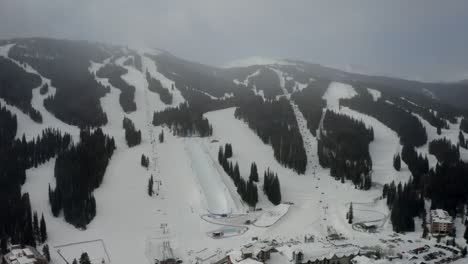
<point>84,259</point>
<point>464,250</point>
<point>465,235</point>
<point>150,186</point>
<point>397,162</point>
<point>253,172</point>
<point>3,246</point>
<point>461,139</point>
<point>350,214</point>
<point>439,130</point>
<point>43,229</point>
<point>75,261</point>
<point>45,252</point>
<point>36,227</point>
<point>144,161</point>
<point>228,151</point>
<point>161,136</point>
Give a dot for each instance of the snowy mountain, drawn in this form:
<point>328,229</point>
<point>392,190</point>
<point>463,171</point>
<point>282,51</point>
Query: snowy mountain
<point>137,155</point>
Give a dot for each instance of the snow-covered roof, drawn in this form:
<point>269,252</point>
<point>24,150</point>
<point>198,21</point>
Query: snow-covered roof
<point>440,216</point>
<point>249,261</point>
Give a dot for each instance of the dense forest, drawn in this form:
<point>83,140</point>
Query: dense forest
<point>405,202</point>
<point>444,150</point>
<point>267,81</point>
<point>17,222</point>
<point>271,187</point>
<point>275,123</point>
<point>114,74</point>
<point>408,127</point>
<point>132,135</point>
<point>78,171</point>
<point>66,63</point>
<point>16,87</point>
<point>311,104</point>
<point>155,85</point>
<point>425,113</point>
<point>464,125</point>
<point>343,146</point>
<point>246,189</point>
<point>183,121</point>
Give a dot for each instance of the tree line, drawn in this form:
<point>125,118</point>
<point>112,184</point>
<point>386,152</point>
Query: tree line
<point>444,150</point>
<point>114,74</point>
<point>408,127</point>
<point>18,224</point>
<point>155,86</point>
<point>78,171</point>
<point>183,121</point>
<point>247,190</point>
<point>16,87</point>
<point>275,123</point>
<point>343,146</point>
<point>66,64</point>
<point>311,104</point>
<point>132,135</point>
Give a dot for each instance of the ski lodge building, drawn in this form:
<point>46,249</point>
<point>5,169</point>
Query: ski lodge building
<point>441,222</point>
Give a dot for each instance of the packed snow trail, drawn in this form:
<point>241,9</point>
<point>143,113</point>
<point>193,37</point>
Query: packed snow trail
<point>310,142</point>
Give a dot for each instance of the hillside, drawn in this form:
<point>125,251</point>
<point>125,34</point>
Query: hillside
<point>139,155</point>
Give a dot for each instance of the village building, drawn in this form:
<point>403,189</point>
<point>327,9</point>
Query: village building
<point>441,222</point>
<point>24,255</point>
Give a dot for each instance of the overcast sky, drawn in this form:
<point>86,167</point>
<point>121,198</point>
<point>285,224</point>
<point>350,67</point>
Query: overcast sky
<point>425,40</point>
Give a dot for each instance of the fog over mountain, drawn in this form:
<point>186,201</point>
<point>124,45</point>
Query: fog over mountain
<point>420,40</point>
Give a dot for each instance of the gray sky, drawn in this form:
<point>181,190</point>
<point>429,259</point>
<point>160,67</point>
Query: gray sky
<point>418,39</point>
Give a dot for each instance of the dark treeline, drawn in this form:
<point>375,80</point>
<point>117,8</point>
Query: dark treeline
<point>247,190</point>
<point>462,141</point>
<point>275,123</point>
<point>267,81</point>
<point>155,85</point>
<point>405,203</point>
<point>132,135</point>
<point>114,74</point>
<point>446,186</point>
<point>78,171</point>
<point>444,150</point>
<point>271,187</point>
<point>425,113</point>
<point>16,87</point>
<point>66,63</point>
<point>343,146</point>
<point>183,121</point>
<point>17,222</point>
<point>44,89</point>
<point>464,125</point>
<point>407,126</point>
<point>417,164</point>
<point>311,104</point>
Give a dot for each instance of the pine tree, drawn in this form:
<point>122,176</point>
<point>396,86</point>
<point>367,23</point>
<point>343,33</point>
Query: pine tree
<point>161,136</point>
<point>45,252</point>
<point>439,130</point>
<point>84,259</point>
<point>464,252</point>
<point>228,151</point>
<point>43,229</point>
<point>3,246</point>
<point>465,235</point>
<point>75,261</point>
<point>397,162</point>
<point>36,227</point>
<point>350,214</point>
<point>461,139</point>
<point>150,186</point>
<point>253,172</point>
